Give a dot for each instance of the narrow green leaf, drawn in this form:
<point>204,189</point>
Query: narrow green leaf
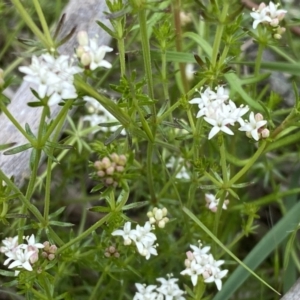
<point>5,146</point>
<point>100,209</point>
<point>61,224</point>
<point>18,149</point>
<point>135,205</point>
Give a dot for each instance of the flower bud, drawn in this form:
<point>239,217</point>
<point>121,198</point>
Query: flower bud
<point>111,249</point>
<point>83,38</point>
<point>114,157</point>
<point>106,163</point>
<point>258,117</point>
<point>106,254</point>
<point>79,51</point>
<point>110,170</point>
<point>52,249</point>
<point>122,160</point>
<point>120,169</point>
<point>158,214</point>
<point>98,164</point>
<point>85,59</point>
<point>265,133</point>
<point>101,173</point>
<point>116,254</point>
<point>51,256</point>
<point>46,246</point>
<point>109,181</point>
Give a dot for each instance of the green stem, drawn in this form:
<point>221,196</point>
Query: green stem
<point>43,22</point>
<point>28,20</point>
<point>248,165</point>
<point>219,33</point>
<point>85,233</point>
<point>258,59</point>
<point>121,48</point>
<point>150,180</point>
<point>218,216</point>
<point>223,160</point>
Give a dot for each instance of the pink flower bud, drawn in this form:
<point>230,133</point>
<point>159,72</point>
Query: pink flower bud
<point>109,181</point>
<point>258,117</point>
<point>190,255</point>
<point>120,169</point>
<point>53,249</point>
<point>51,256</point>
<point>265,133</point>
<point>46,246</point>
<point>110,170</point>
<point>114,157</point>
<point>106,163</point>
<point>98,165</point>
<point>101,173</point>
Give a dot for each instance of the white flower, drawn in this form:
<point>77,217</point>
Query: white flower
<point>216,277</point>
<point>253,126</point>
<point>260,17</point>
<point>10,244</point>
<point>21,259</point>
<point>212,202</point>
<point>145,292</point>
<point>52,76</point>
<point>194,271</point>
<point>177,164</point>
<point>126,233</point>
<point>170,289</point>
<point>220,122</point>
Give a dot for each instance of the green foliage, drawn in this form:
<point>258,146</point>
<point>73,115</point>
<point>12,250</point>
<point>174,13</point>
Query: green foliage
<point>139,148</point>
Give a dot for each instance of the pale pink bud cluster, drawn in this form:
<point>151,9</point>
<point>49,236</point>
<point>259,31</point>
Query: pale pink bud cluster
<point>110,167</point>
<point>158,216</point>
<point>49,251</point>
<point>111,251</point>
<point>269,15</point>
<point>90,54</point>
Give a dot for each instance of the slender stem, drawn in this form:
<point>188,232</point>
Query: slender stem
<point>218,216</point>
<point>258,59</point>
<point>223,160</point>
<point>43,22</point>
<point>219,33</point>
<point>85,233</point>
<point>28,20</point>
<point>150,180</point>
<point>248,165</point>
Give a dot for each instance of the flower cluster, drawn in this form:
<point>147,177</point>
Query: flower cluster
<point>109,166</point>
<point>169,290</point>
<point>212,202</point>
<point>21,256</point>
<point>49,251</point>
<point>201,263</point>
<point>221,112</point>
<point>98,114</point>
<point>142,236</point>
<point>270,15</point>
<point>158,216</point>
<point>90,53</point>
<point>53,77</point>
